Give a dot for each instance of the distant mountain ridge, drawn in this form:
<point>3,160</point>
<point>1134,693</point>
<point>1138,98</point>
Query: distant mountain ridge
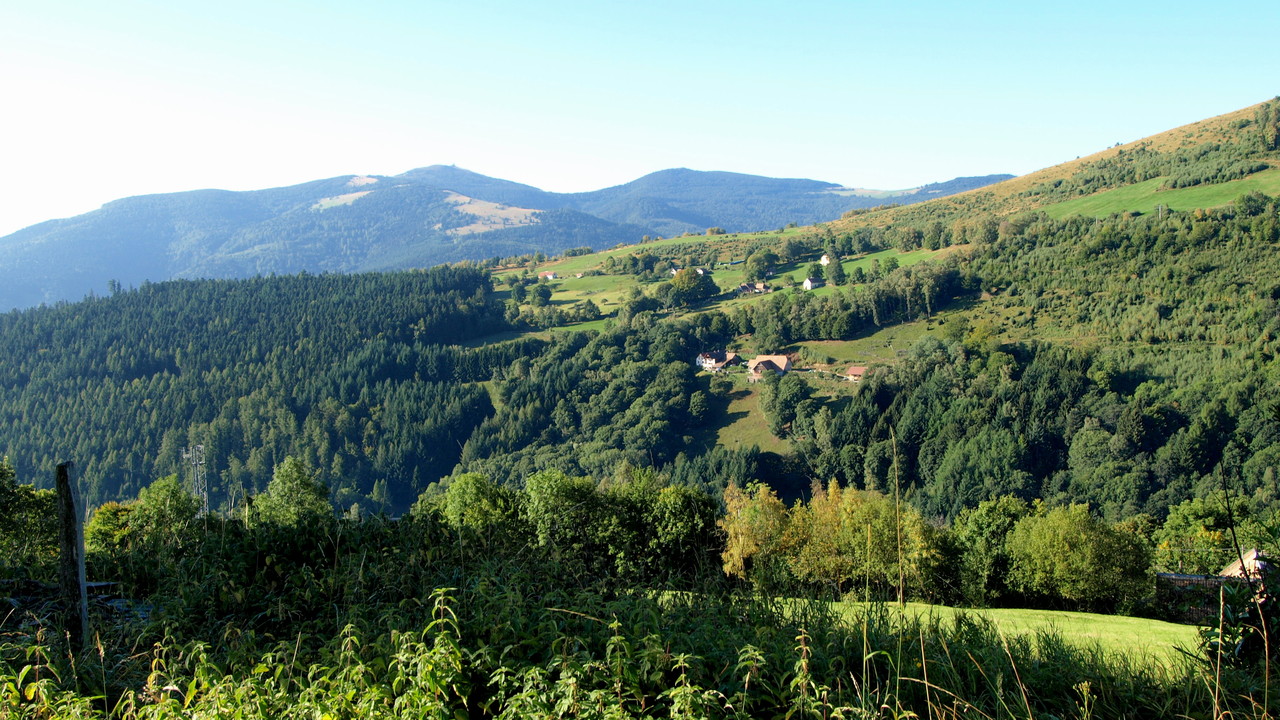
<point>420,218</point>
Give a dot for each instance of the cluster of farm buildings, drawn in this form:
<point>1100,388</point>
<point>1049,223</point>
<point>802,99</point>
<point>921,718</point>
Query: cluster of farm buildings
<point>758,366</point>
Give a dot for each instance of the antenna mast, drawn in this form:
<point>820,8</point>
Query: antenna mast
<point>195,456</point>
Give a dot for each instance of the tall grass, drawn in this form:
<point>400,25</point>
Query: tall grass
<point>411,620</point>
<point>685,655</point>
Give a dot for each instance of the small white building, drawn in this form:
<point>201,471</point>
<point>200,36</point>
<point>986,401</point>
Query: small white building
<point>717,361</point>
<point>811,283</point>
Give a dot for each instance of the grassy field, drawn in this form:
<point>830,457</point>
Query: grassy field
<point>744,424</point>
<point>1145,196</point>
<point>1139,638</point>
<point>885,345</point>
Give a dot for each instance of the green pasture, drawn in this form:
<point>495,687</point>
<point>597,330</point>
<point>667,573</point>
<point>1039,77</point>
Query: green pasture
<point>1140,639</point>
<point>606,291</point>
<point>883,346</point>
<point>744,424</point>
<point>1145,196</point>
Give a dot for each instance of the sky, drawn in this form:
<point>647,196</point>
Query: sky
<point>100,101</point>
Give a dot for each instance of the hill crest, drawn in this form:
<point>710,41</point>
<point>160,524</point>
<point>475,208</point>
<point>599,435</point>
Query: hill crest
<point>1230,135</point>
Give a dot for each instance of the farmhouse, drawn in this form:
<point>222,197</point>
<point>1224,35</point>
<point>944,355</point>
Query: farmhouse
<point>855,373</point>
<point>825,261</point>
<point>548,274</point>
<point>717,360</point>
<point>1252,565</point>
<point>811,283</point>
<point>767,363</point>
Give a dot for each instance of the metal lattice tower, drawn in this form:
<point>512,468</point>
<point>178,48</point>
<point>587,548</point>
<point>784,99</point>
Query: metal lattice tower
<point>195,456</point>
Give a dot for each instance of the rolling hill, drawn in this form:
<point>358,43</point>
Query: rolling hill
<point>423,217</point>
<point>1201,165</point>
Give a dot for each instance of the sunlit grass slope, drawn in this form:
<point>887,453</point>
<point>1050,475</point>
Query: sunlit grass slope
<point>1141,639</point>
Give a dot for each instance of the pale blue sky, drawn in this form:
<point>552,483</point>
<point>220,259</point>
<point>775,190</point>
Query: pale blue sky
<point>106,100</point>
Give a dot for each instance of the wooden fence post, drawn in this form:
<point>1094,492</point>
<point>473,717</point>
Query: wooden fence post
<point>71,561</point>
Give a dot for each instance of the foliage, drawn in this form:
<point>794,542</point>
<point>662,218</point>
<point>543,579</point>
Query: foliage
<point>1195,537</point>
<point>373,618</point>
<point>635,528</point>
<point>754,524</point>
<point>475,503</point>
<point>1267,120</point>
<point>780,399</point>
<point>28,528</point>
<point>1066,553</point>
<point>840,541</point>
<point>893,296</point>
<point>294,498</point>
<point>689,287</point>
<point>861,542</point>
<point>591,402</point>
<point>981,536</point>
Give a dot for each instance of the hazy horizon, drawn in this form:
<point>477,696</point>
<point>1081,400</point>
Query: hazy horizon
<point>138,98</point>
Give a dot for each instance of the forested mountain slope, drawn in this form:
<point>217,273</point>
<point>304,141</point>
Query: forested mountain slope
<point>347,366</point>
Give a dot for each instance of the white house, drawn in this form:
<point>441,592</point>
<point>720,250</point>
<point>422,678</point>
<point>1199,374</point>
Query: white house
<point>717,361</point>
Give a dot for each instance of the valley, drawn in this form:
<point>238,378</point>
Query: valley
<point>504,487</point>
